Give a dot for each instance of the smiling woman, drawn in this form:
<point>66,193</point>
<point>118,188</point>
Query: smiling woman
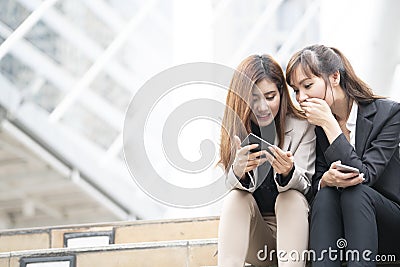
<point>267,206</point>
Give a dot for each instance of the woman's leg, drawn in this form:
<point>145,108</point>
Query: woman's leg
<point>242,232</point>
<point>366,215</point>
<point>326,227</point>
<point>291,209</point>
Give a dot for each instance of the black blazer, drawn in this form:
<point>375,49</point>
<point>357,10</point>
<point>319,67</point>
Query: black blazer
<point>377,148</point>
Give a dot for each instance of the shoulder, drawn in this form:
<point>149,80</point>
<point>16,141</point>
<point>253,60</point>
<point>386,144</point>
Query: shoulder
<point>384,108</point>
<point>384,104</point>
<point>297,126</point>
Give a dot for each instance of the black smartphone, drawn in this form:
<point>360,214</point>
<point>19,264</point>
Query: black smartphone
<point>254,139</point>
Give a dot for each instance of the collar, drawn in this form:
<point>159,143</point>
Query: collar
<point>352,120</point>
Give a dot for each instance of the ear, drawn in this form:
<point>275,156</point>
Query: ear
<point>335,78</point>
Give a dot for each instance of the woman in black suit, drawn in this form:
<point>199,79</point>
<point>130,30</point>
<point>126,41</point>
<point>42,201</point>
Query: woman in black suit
<point>354,214</point>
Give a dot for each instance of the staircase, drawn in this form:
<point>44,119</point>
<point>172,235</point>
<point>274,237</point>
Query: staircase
<point>183,242</point>
<point>177,243</point>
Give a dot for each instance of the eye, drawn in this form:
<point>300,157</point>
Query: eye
<point>270,98</point>
<point>308,85</point>
<point>296,91</point>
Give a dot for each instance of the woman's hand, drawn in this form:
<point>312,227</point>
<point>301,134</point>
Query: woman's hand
<point>246,161</point>
<point>334,177</point>
<point>282,161</point>
<point>319,113</point>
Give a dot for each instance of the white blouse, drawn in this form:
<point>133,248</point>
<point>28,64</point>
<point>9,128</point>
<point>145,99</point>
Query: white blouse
<point>351,123</point>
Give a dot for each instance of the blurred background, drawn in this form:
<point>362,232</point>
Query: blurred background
<point>69,68</point>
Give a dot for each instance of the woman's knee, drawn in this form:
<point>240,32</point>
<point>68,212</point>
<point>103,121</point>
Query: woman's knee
<point>291,200</point>
<point>326,198</point>
<point>356,197</point>
<point>239,201</point>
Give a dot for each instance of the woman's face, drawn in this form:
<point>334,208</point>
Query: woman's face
<point>310,87</point>
<point>265,102</point>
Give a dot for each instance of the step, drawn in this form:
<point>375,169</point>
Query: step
<point>182,253</point>
<point>109,233</point>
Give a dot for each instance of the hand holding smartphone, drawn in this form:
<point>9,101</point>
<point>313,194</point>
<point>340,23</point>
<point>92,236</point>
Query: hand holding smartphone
<point>254,139</point>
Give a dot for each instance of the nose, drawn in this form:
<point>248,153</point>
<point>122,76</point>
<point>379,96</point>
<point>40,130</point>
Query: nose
<point>263,106</point>
<point>301,97</point>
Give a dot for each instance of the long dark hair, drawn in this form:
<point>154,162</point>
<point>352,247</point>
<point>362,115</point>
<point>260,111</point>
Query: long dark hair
<point>237,112</point>
<point>322,61</point>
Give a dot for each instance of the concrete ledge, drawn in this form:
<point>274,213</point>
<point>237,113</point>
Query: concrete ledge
<point>143,245</point>
<point>122,232</point>
<point>185,253</point>
<point>105,224</point>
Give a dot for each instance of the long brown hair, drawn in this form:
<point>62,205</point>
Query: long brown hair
<point>322,61</point>
<point>236,120</point>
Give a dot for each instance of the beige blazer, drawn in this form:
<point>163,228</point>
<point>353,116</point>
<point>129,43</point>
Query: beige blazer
<point>300,140</point>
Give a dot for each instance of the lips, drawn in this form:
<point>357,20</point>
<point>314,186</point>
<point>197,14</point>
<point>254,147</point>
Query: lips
<point>263,117</point>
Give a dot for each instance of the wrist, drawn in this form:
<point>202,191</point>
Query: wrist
<point>236,173</point>
<point>286,174</point>
<point>323,182</point>
<point>332,130</point>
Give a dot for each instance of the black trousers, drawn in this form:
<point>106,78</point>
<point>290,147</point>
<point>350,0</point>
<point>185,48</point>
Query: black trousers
<point>354,221</point>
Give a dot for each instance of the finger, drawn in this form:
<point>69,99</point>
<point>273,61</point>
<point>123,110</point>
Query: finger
<point>237,142</point>
<point>314,100</point>
<point>352,182</point>
<point>262,161</point>
<point>269,157</point>
<point>252,163</point>
<point>305,104</point>
<point>273,151</point>
<point>281,157</point>
<point>349,175</point>
<point>279,167</point>
<point>333,165</point>
<point>256,162</point>
<point>251,167</point>
<point>277,151</point>
<point>343,175</point>
<point>249,147</point>
<point>310,106</point>
<point>245,151</point>
<point>280,160</point>
<point>256,154</point>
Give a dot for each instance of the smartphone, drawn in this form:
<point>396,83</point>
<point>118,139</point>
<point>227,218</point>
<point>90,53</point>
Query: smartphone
<point>254,139</point>
<point>346,169</point>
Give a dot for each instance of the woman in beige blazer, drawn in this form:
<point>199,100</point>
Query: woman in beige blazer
<point>264,218</point>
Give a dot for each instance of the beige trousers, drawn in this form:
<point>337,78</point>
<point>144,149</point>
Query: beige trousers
<point>244,235</point>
